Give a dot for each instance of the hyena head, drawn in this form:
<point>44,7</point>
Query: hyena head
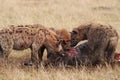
<point>77,35</point>
<point>52,43</point>
<point>64,38</point>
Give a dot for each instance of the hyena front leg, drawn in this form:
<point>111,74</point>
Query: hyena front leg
<point>35,54</point>
<point>41,51</point>
<point>36,47</point>
<point>111,50</point>
<point>6,46</point>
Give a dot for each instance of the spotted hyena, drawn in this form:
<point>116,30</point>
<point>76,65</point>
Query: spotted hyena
<point>102,40</point>
<point>64,39</point>
<point>21,37</point>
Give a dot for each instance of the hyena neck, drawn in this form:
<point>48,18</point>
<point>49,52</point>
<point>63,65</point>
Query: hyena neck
<point>86,32</point>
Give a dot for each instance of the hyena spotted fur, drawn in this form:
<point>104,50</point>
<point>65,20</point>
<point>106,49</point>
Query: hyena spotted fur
<point>102,40</point>
<point>21,37</point>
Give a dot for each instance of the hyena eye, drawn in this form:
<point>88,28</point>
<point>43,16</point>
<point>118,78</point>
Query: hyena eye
<point>73,40</point>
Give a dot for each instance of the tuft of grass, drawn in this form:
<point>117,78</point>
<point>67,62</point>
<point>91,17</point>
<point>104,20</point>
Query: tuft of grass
<point>13,72</point>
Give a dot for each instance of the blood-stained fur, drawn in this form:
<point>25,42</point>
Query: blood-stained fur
<point>78,56</point>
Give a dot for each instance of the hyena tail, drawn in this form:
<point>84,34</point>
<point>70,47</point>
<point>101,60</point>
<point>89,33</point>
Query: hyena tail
<point>110,50</point>
<point>1,50</point>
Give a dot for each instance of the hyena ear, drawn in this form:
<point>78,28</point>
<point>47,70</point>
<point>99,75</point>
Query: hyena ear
<point>59,42</point>
<point>62,41</point>
<point>75,31</point>
<point>59,45</point>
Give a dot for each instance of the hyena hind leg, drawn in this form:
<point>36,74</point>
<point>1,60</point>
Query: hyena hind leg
<point>111,50</point>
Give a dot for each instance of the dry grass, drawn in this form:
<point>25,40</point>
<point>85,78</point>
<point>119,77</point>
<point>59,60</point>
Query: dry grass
<point>16,73</point>
<point>58,14</point>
